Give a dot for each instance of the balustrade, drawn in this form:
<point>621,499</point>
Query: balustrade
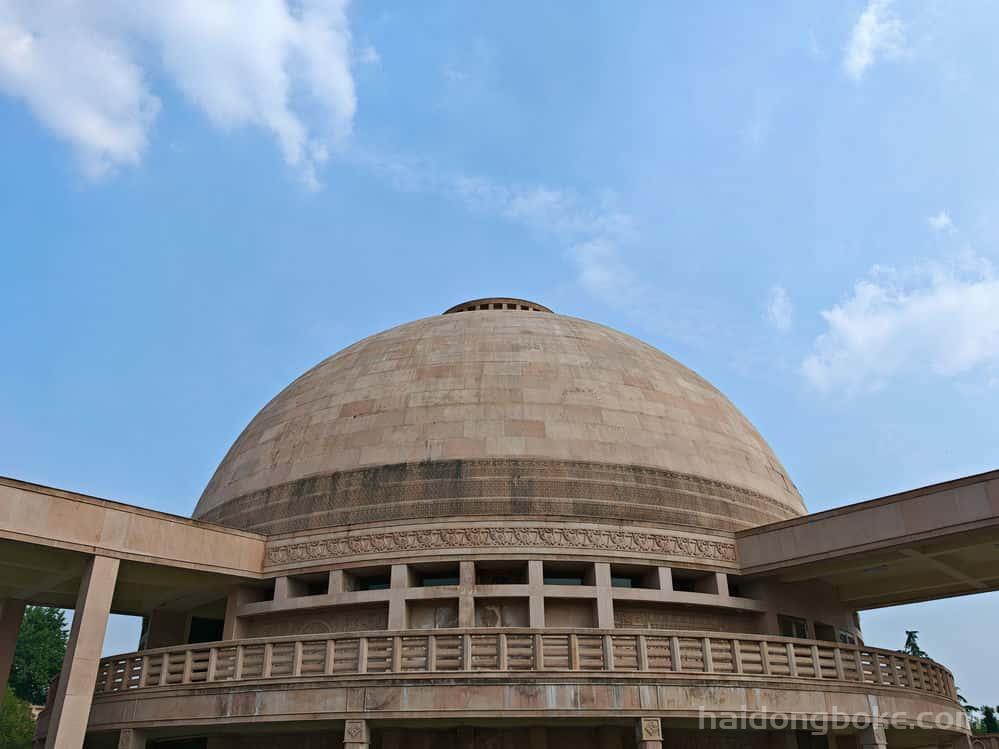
<point>455,651</point>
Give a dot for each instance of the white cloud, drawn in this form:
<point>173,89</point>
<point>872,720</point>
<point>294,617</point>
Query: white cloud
<point>932,318</point>
<point>602,272</point>
<point>878,32</point>
<point>779,310</point>
<point>941,222</point>
<point>591,227</point>
<point>84,68</point>
<point>369,56</point>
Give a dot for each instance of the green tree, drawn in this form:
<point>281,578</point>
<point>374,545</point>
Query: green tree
<point>38,656</point>
<point>911,646</point>
<point>989,724</point>
<point>16,726</point>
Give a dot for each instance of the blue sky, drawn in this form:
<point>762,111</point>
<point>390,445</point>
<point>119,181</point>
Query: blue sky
<point>796,200</point>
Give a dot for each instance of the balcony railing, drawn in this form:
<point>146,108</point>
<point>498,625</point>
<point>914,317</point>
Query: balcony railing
<point>520,651</point>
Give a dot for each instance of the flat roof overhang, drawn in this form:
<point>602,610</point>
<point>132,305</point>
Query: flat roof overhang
<point>925,544</point>
<point>47,535</point>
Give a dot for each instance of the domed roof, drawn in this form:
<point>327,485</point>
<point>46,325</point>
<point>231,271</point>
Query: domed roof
<point>499,407</point>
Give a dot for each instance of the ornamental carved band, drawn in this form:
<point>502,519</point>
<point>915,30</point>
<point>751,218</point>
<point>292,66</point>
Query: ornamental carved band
<point>661,544</point>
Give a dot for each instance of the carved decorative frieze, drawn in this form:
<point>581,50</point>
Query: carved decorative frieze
<point>335,547</point>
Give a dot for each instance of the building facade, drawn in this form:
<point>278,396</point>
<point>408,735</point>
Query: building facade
<point>497,527</point>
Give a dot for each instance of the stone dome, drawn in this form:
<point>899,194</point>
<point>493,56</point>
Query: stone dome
<point>499,407</point>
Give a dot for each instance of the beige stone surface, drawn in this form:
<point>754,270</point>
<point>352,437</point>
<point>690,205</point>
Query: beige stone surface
<point>11,613</point>
<point>502,698</point>
<point>494,385</point>
<point>928,543</point>
<point>75,691</point>
<point>48,517</point>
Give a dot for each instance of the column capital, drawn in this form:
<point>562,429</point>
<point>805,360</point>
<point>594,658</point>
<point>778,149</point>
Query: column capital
<point>649,733</point>
<point>356,734</point>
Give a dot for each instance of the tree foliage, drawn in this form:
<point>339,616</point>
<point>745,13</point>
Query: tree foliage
<point>41,645</point>
<point>16,726</point>
<point>911,646</point>
<point>988,723</point>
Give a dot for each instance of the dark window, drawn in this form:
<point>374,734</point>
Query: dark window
<point>205,630</point>
<point>685,584</point>
<point>500,573</point>
<point>373,582</point>
<point>792,626</point>
<point>825,632</point>
<point>433,575</point>
<point>561,573</point>
<point>846,637</point>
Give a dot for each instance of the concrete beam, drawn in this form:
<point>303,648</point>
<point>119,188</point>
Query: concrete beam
<point>58,519</point>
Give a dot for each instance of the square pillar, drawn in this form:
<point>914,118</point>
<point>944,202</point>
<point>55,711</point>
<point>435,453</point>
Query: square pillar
<point>356,734</point>
<point>129,738</point>
<point>649,733</point>
<point>605,599</point>
<point>873,737</point>
<point>71,707</point>
<point>665,576</point>
<point>466,586</point>
<point>337,583</point>
<point>11,614</point>
<point>721,584</point>
<point>536,593</point>
<point>398,583</point>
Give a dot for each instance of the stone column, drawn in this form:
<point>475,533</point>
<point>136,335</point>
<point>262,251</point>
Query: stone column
<point>649,733</point>
<point>399,581</point>
<point>605,599</point>
<point>11,613</point>
<point>356,734</point>
<point>129,738</point>
<point>873,737</point>
<point>536,593</point>
<point>466,601</point>
<point>71,707</point>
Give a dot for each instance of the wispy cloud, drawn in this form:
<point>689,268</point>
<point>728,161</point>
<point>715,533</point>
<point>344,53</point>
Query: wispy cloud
<point>935,318</point>
<point>941,222</point>
<point>80,68</point>
<point>369,56</point>
<point>779,311</point>
<point>878,33</point>
<point>591,229</point>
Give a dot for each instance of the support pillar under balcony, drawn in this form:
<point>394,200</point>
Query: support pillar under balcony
<point>71,706</point>
<point>129,738</point>
<point>11,614</point>
<point>873,737</point>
